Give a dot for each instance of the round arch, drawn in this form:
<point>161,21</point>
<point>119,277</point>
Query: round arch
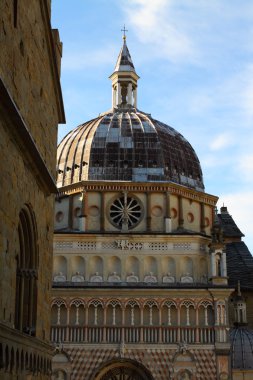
<point>123,369</point>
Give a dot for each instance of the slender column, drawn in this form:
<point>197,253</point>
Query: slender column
<point>178,324</point>
<point>104,323</point>
<point>113,96</point>
<point>197,324</point>
<point>58,315</point>
<point>118,93</point>
<point>141,332</point>
<point>169,316</point>
<point>168,224</point>
<point>113,315</point>
<point>86,324</point>
<point>187,316</point>
<point>67,330</point>
<point>224,264</point>
<point>132,316</point>
<point>150,316</point>
<point>31,300</point>
<point>130,94</point>
<point>206,317</point>
<point>102,215</point>
<point>180,212</point>
<point>21,302</point>
<point>202,217</point>
<point>135,97</point>
<point>148,197</point>
<point>160,324</point>
<point>83,216</point>
<point>77,315</point>
<point>95,315</point>
<point>213,264</point>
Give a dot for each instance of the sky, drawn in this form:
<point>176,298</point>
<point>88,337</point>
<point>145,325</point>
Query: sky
<point>195,62</point>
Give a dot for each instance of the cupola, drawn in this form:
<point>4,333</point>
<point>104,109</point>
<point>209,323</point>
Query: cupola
<point>124,80</point>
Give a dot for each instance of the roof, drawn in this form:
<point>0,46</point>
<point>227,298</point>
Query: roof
<point>239,265</point>
<point>241,348</point>
<point>127,146</point>
<point>124,61</point>
<point>228,224</point>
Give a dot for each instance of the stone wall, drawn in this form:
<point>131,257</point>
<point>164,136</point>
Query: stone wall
<point>30,109</point>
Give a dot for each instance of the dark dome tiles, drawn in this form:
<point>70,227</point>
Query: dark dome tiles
<point>241,348</point>
<point>129,146</point>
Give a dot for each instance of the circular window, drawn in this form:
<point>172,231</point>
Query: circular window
<point>125,210</point>
<point>207,222</point>
<point>173,213</point>
<point>59,216</point>
<point>190,217</point>
<point>157,211</point>
<point>93,211</point>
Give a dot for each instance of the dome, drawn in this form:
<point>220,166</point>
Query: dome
<point>241,347</point>
<point>125,144</point>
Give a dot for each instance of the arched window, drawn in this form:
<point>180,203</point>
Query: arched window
<point>27,273</point>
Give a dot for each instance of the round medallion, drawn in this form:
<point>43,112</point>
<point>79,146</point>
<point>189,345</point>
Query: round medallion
<point>125,211</point>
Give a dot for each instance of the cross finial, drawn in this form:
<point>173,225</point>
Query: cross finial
<point>124,30</point>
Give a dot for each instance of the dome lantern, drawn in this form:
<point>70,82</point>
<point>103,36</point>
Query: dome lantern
<point>124,80</point>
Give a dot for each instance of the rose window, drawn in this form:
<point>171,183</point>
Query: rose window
<point>125,211</point>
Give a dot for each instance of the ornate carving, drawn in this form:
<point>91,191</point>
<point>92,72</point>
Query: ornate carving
<point>129,245</point>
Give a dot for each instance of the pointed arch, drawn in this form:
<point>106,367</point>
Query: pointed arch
<point>27,272</point>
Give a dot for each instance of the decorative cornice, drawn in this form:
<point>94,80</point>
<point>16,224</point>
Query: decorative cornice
<point>161,187</point>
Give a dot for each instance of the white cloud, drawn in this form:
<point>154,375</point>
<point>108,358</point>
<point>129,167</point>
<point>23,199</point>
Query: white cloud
<point>223,140</point>
<point>155,24</point>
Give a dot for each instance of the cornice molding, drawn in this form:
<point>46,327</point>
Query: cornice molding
<point>21,135</point>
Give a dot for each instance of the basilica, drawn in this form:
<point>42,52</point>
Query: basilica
<point>150,281</point>
<point>141,277</point>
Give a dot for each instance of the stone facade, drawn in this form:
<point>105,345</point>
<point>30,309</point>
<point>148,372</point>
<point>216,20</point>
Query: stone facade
<point>30,110</point>
<point>140,287</point>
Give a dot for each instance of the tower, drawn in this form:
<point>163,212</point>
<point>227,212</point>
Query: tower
<point>140,288</point>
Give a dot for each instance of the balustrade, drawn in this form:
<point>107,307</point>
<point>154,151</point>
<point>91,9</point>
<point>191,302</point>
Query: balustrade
<point>138,334</point>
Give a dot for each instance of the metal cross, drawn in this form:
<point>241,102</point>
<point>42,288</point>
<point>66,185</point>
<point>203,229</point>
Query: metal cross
<point>124,30</point>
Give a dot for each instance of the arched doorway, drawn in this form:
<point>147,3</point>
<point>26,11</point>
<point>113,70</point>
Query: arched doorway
<point>122,369</point>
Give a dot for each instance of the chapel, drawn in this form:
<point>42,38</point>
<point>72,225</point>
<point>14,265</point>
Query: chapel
<point>150,281</point>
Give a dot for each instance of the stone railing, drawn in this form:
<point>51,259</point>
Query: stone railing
<point>138,334</point>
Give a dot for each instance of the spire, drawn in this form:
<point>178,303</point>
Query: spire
<point>124,79</point>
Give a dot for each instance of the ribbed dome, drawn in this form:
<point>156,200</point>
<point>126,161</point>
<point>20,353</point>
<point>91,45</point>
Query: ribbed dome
<point>127,145</point>
<point>242,347</point>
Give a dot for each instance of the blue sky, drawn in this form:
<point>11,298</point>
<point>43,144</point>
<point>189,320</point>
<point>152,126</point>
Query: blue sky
<point>195,60</point>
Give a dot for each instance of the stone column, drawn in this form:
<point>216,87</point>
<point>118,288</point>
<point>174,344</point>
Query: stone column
<point>213,265</point>
<point>102,213</point>
<point>224,264</point>
<point>135,97</point>
<point>83,216</point>
<point>202,217</point>
<point>168,223</point>
<point>180,212</point>
<point>148,197</point>
<point>130,94</point>
<point>118,93</point>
